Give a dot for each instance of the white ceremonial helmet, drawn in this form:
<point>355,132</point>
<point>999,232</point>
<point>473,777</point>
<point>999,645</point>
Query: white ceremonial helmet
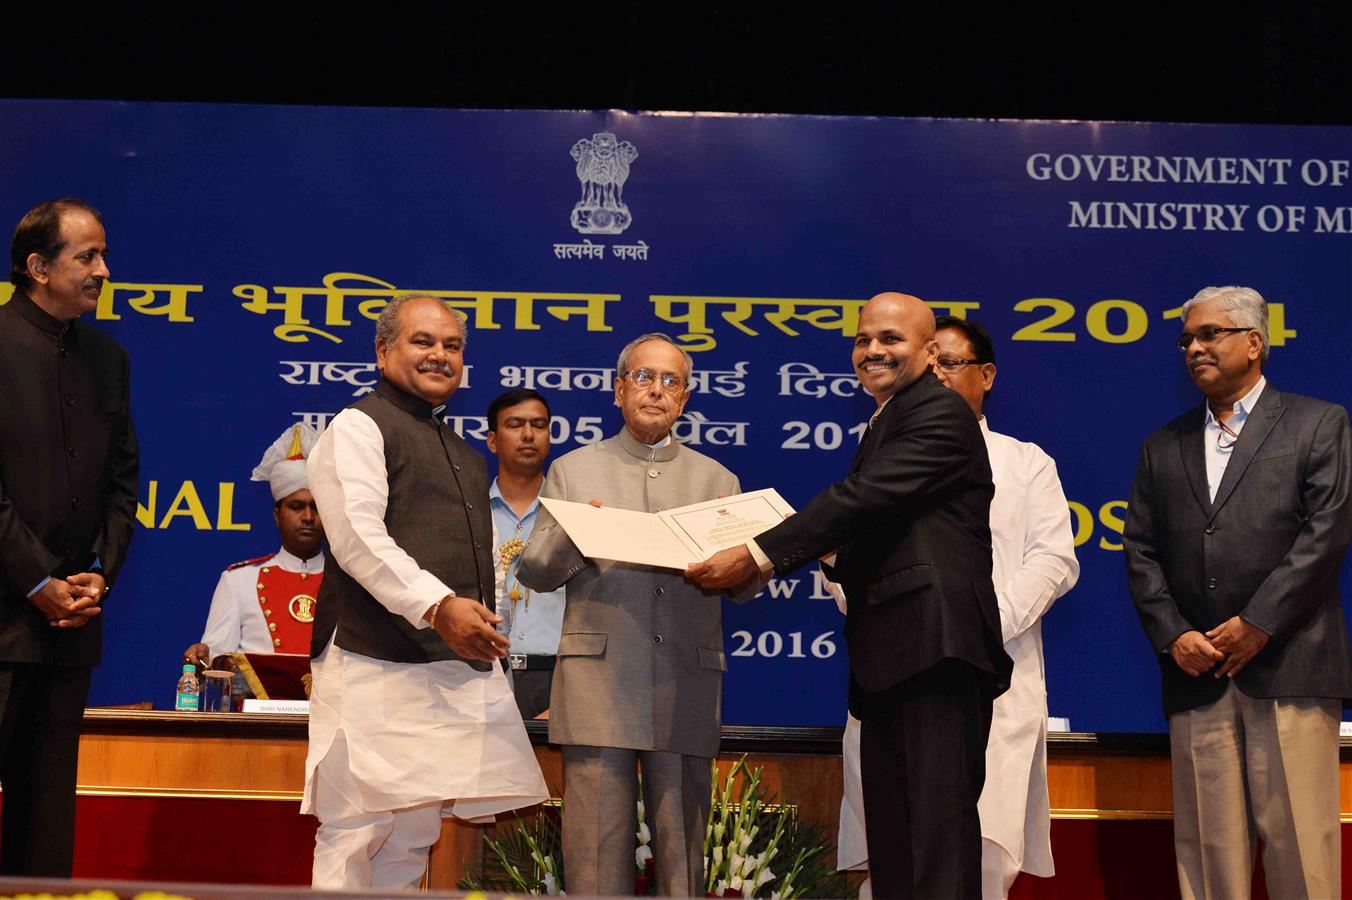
<point>283,465</point>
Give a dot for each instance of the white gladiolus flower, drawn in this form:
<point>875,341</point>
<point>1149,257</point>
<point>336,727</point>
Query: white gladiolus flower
<point>642,854</point>
<point>718,833</point>
<point>735,864</point>
<point>720,887</point>
<point>735,884</point>
<point>551,887</point>
<point>644,835</point>
<point>717,855</point>
<point>744,843</point>
<point>765,877</point>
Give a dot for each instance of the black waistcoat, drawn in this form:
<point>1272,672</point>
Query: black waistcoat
<point>438,513</point>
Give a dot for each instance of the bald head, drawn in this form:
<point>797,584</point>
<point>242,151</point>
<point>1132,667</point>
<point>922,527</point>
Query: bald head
<point>894,343</point>
<point>907,306</point>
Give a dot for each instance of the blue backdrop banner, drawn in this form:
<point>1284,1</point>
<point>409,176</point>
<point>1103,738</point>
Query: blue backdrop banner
<point>252,248</point>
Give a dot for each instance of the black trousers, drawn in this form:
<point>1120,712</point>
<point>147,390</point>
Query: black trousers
<point>42,710</point>
<point>922,755</point>
<point>531,688</point>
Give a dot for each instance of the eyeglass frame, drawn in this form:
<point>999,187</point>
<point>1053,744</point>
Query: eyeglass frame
<point>1185,339</point>
<point>671,382</point>
<point>957,364</point>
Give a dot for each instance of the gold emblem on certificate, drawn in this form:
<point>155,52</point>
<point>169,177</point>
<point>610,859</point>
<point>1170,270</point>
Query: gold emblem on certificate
<point>302,608</point>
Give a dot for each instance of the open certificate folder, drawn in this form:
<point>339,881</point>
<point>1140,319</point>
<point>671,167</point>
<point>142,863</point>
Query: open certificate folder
<point>672,539</point>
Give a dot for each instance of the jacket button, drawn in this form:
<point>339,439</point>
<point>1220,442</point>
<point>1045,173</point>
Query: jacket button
<point>455,466</point>
<point>70,401</point>
<point>1211,583</point>
<point>74,502</point>
<point>469,506</point>
<point>657,639</point>
<point>73,453</point>
<point>660,591</point>
<point>1211,529</point>
<point>478,546</point>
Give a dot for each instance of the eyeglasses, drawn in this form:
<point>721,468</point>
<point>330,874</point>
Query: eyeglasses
<point>953,364</point>
<point>644,378</point>
<point>1206,336</point>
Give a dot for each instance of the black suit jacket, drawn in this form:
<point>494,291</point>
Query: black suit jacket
<point>912,521</point>
<point>1268,549</point>
<point>68,473</point>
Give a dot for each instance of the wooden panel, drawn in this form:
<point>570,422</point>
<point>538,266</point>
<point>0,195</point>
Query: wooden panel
<point>234,757</point>
<point>227,767</point>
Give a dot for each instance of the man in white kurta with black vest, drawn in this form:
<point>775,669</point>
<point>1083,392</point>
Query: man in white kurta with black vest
<point>1034,564</point>
<point>639,672</point>
<point>411,716</point>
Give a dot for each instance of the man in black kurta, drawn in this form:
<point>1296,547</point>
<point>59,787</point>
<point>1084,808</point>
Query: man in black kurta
<point>68,478</point>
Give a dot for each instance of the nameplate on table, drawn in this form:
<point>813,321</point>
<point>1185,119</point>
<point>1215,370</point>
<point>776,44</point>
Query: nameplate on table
<point>292,707</point>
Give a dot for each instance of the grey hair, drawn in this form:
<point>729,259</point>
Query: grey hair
<point>1246,307</point>
<point>387,325</point>
<point>622,364</point>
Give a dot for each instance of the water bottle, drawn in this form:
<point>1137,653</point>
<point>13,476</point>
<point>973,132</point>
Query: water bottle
<point>189,691</point>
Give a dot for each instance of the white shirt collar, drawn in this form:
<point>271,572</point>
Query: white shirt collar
<point>293,563</point>
<point>1244,405</point>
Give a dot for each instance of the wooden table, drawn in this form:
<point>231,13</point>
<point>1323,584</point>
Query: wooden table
<point>253,759</point>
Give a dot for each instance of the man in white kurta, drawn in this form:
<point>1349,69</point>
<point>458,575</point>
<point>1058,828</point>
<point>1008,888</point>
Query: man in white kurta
<point>1034,564</point>
<point>411,716</point>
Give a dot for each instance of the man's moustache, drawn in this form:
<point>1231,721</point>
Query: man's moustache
<point>435,367</point>
<point>1201,360</point>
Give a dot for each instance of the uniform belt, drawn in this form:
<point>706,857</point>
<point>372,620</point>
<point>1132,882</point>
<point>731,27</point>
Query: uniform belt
<point>528,662</point>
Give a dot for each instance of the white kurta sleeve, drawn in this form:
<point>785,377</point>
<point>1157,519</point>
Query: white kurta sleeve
<point>223,632</point>
<point>351,488</point>
<point>1049,568</point>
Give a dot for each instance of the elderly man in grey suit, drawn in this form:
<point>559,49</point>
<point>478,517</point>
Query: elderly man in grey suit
<point>1237,527</point>
<point>639,673</point>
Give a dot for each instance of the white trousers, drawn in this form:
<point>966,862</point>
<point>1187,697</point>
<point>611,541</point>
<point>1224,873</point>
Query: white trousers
<point>357,850</point>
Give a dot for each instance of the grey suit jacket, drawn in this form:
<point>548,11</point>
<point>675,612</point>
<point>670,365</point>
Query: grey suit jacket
<point>1268,549</point>
<point>640,662</point>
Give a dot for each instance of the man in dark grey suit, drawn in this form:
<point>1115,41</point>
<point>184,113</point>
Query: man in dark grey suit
<point>1236,530</point>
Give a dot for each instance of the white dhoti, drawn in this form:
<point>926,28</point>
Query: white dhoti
<point>396,746</point>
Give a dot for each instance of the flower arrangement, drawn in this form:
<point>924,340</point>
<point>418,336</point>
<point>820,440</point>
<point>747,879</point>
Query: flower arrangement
<point>753,847</point>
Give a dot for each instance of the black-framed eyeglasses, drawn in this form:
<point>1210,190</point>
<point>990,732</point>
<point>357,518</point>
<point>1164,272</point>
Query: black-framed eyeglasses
<point>644,378</point>
<point>954,364</point>
<point>1206,336</point>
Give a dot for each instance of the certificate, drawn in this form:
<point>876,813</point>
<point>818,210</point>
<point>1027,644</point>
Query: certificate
<point>674,538</point>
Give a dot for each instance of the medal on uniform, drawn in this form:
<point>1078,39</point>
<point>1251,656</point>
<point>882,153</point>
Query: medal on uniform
<point>302,608</point>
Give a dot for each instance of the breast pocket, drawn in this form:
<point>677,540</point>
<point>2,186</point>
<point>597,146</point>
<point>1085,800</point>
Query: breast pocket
<point>582,643</point>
